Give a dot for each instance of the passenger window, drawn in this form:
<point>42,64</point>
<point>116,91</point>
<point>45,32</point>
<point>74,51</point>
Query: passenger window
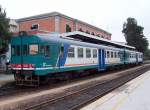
<point>118,55</point>
<point>112,55</point>
<point>108,54</point>
<point>115,54</point>
<point>25,50</point>
<point>33,49</point>
<point>94,53</point>
<point>80,52</point>
<point>71,52</point>
<point>88,53</point>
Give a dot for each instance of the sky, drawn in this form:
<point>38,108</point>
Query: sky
<point>105,14</point>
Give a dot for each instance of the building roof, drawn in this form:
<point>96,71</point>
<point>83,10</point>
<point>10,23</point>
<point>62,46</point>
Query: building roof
<point>92,38</point>
<point>58,14</point>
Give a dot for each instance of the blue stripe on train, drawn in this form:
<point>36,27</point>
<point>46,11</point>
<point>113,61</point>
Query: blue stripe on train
<point>63,57</point>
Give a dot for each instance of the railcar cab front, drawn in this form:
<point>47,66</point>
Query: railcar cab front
<point>30,56</point>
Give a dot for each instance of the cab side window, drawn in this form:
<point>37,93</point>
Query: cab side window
<point>18,50</point>
<point>42,50</point>
<point>45,50</point>
<point>12,50</point>
<point>15,50</point>
<point>25,49</point>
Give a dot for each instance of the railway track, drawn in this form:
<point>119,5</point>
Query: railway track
<point>12,89</point>
<point>78,99</point>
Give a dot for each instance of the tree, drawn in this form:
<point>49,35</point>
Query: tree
<point>4,31</point>
<point>147,55</point>
<point>134,35</point>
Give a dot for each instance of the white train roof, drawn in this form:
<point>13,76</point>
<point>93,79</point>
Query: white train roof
<point>63,39</point>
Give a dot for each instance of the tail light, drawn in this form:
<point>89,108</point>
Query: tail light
<point>22,66</point>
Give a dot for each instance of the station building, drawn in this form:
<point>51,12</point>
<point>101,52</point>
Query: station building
<point>60,23</point>
<point>13,26</point>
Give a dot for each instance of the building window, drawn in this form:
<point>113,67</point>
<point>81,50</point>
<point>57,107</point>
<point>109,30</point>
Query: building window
<point>71,52</point>
<point>80,52</point>
<point>102,36</point>
<point>68,28</point>
<point>87,32</point>
<point>34,26</point>
<point>94,53</point>
<point>33,49</point>
<point>81,30</point>
<point>88,53</point>
<point>98,35</point>
<point>92,33</point>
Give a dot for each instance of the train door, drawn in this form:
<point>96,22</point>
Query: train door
<point>101,59</point>
<point>21,53</point>
<point>136,58</point>
<point>63,55</point>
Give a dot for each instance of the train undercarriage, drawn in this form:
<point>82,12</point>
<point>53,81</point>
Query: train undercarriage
<point>28,78</point>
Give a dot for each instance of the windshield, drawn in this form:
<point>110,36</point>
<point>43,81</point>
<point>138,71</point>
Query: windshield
<point>31,49</point>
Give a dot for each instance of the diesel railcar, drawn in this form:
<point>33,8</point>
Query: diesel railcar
<point>34,57</point>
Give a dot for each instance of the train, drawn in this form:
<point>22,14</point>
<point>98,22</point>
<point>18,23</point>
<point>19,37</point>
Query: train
<point>36,57</point>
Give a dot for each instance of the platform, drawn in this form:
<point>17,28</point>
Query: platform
<point>134,95</point>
